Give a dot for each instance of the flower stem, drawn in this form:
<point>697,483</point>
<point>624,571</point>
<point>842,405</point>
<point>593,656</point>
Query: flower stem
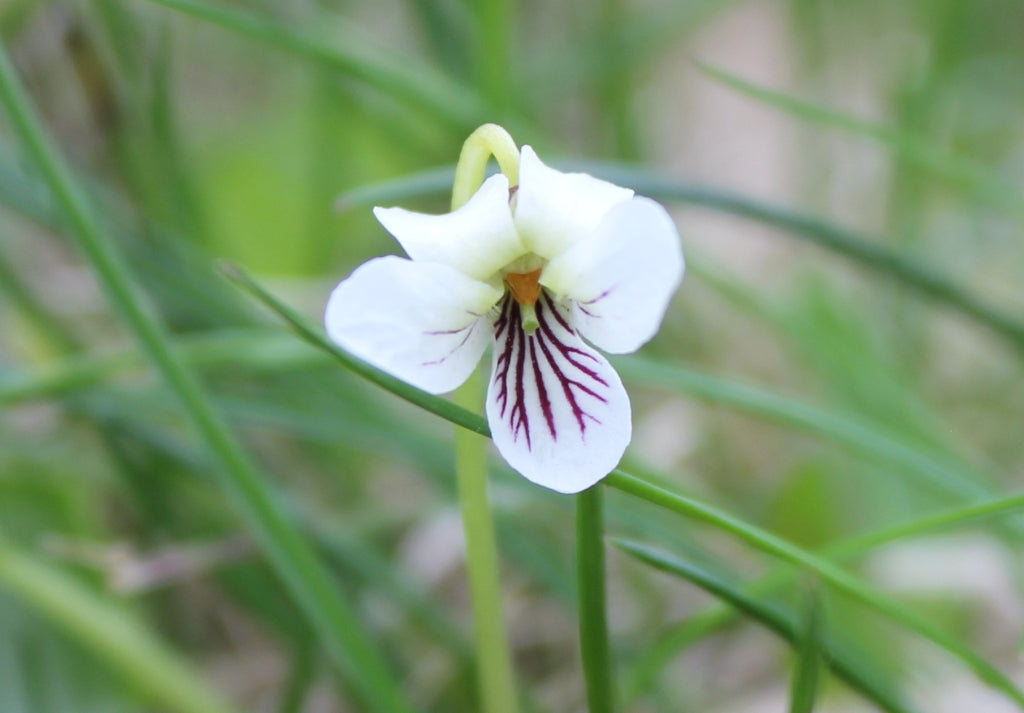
<point>494,664</point>
<point>590,572</point>
<point>489,140</point>
<point>495,681</point>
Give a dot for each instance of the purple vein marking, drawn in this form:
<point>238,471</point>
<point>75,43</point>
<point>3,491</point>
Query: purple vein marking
<point>502,365</point>
<point>550,357</point>
<point>582,306</point>
<point>542,391</point>
<point>505,369</point>
<point>567,351</point>
<point>601,296</point>
<point>578,412</point>
<point>468,329</point>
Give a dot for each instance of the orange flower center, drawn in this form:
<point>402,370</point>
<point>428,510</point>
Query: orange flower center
<point>525,286</point>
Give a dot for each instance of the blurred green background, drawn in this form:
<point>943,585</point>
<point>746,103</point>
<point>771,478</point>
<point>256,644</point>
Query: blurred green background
<point>844,355</point>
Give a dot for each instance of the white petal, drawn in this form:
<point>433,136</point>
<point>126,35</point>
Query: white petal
<point>554,209</point>
<point>425,323</point>
<point>622,278</point>
<point>478,239</point>
<point>557,410</point>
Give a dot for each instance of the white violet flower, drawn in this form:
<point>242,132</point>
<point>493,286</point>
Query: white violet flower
<point>533,269</point>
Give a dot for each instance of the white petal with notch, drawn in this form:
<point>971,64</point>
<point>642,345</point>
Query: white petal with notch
<point>621,278</point>
<point>478,239</point>
<point>553,210</point>
<point>557,410</point>
<point>425,323</point>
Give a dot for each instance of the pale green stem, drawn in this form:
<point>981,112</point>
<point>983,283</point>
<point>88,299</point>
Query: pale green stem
<point>494,663</point>
<point>593,601</point>
<point>489,140</point>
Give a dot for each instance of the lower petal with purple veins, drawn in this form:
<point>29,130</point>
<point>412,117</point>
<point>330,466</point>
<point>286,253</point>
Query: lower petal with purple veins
<point>557,410</point>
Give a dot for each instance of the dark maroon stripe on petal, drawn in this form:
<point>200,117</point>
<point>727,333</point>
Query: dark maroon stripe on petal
<point>542,391</point>
<point>520,417</point>
<point>561,372</point>
<point>502,322</point>
<point>567,350</point>
<point>565,325</point>
<point>504,360</point>
<point>568,384</point>
<point>561,320</point>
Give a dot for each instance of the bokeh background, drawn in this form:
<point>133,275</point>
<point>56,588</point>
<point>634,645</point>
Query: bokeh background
<point>844,355</point>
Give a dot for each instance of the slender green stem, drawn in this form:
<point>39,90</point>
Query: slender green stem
<point>806,681</point>
<point>289,553</point>
<point>496,683</point>
<point>597,668</point>
<point>495,678</point>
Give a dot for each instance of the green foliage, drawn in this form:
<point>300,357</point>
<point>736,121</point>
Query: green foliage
<point>206,506</point>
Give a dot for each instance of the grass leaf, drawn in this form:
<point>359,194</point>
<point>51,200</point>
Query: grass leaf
<point>965,174</point>
<point>349,52</point>
<point>810,651</point>
<point>295,561</point>
<point>141,659</point>
<point>774,617</point>
<point>637,487</point>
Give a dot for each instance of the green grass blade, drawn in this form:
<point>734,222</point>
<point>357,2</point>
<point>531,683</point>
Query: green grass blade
<point>142,660</point>
<point>982,182</point>
<point>593,605</point>
<point>807,669</point>
<point>831,573</point>
<point>729,393</point>
<point>850,431</point>
<point>620,480</point>
<point>714,618</point>
<point>291,556</point>
<point>348,51</point>
<point>930,523</point>
<point>909,270</point>
<point>272,351</point>
<point>774,617</point>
